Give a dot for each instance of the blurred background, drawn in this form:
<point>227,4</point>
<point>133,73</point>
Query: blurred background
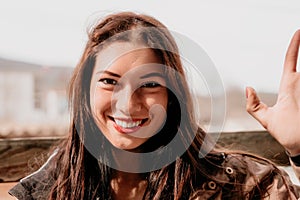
<point>41,42</point>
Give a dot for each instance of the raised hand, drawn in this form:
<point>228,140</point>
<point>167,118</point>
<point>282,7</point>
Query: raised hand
<point>282,120</point>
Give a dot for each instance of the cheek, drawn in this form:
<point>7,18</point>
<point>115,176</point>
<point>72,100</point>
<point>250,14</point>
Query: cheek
<point>101,101</point>
<point>161,99</point>
<point>164,98</point>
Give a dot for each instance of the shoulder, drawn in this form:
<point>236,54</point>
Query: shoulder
<point>239,174</point>
<point>37,184</point>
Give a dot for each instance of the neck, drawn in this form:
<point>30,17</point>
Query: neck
<point>125,177</point>
<point>127,185</point>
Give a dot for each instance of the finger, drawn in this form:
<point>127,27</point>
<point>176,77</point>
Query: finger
<point>290,63</point>
<point>255,107</point>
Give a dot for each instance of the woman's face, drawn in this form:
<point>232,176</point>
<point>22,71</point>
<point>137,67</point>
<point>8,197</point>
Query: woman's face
<point>128,94</point>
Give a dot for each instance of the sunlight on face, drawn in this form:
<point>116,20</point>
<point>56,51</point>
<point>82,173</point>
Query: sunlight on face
<point>128,94</point>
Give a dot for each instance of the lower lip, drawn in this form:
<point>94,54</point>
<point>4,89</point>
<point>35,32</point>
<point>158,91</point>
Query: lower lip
<point>126,130</point>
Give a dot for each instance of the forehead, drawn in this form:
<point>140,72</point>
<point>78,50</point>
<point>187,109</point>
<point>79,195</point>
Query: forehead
<point>125,54</point>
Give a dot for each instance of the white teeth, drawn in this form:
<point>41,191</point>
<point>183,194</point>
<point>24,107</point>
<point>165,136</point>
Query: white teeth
<point>125,124</point>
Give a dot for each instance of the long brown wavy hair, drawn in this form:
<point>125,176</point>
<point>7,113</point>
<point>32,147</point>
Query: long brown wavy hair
<point>79,174</point>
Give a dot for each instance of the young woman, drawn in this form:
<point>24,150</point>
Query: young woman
<point>133,132</point>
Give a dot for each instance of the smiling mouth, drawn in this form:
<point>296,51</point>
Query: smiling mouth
<point>126,125</point>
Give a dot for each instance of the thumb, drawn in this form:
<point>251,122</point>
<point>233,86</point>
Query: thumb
<point>255,107</point>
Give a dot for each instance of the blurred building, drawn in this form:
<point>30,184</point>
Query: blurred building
<point>236,118</point>
<point>32,95</point>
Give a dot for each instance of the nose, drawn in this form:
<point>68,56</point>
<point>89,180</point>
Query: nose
<point>127,100</point>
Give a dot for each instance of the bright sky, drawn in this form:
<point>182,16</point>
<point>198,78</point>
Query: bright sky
<point>246,39</point>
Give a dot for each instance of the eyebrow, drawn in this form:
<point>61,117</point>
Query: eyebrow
<point>142,77</point>
<point>153,74</point>
<point>109,73</point>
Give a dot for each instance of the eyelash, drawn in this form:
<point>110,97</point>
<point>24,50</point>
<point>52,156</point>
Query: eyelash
<point>108,81</point>
<point>150,85</point>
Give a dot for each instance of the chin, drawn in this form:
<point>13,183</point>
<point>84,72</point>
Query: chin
<point>128,147</point>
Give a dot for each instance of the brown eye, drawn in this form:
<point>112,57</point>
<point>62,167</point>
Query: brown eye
<point>108,81</point>
<point>150,85</point>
